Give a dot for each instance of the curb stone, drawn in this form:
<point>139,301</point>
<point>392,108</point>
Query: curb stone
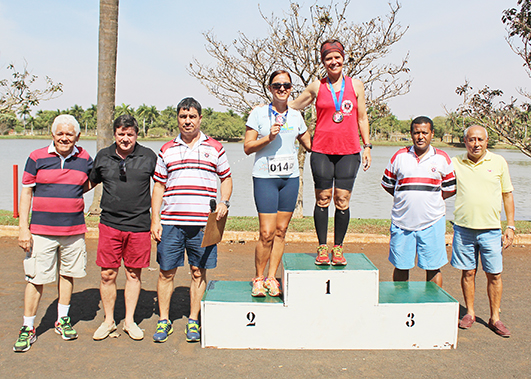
<point>291,237</point>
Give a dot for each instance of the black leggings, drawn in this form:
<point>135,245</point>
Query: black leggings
<point>334,170</point>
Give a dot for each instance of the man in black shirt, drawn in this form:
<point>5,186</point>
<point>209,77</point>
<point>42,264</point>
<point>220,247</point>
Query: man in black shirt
<point>125,168</point>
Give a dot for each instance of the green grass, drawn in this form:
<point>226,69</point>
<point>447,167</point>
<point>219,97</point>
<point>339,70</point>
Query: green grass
<point>305,224</point>
<point>356,225</point>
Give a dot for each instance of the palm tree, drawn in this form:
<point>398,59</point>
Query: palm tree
<point>90,116</point>
<point>152,114</point>
<point>141,112</point>
<point>77,111</point>
<point>147,114</point>
<point>107,52</point>
<point>24,111</point>
<point>169,118</point>
<point>123,109</point>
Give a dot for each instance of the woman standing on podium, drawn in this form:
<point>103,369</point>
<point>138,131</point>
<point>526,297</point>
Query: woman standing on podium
<point>271,132</point>
<point>336,150</point>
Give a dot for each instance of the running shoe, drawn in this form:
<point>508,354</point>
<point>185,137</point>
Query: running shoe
<point>192,331</point>
<point>64,329</point>
<point>258,287</point>
<point>337,256</point>
<point>273,286</point>
<point>26,337</point>
<point>322,256</point>
<point>164,329</point>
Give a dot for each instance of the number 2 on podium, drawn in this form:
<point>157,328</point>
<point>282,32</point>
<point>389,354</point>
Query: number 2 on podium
<point>250,317</point>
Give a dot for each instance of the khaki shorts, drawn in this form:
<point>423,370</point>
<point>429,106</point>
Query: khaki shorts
<point>69,253</point>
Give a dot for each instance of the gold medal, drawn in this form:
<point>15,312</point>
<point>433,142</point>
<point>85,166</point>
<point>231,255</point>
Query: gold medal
<point>337,117</point>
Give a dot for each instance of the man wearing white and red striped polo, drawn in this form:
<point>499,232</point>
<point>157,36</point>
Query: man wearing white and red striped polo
<point>419,178</point>
<point>185,181</point>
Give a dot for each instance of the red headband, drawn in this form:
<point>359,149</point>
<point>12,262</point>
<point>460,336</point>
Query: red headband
<point>330,47</point>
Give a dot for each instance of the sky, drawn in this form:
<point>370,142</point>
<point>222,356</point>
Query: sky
<point>448,42</point>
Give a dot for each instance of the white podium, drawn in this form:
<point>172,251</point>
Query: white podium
<point>330,307</point>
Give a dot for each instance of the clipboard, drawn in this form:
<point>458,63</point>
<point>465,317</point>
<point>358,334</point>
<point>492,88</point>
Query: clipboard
<point>213,229</point>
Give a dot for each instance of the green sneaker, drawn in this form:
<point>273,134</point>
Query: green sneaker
<point>192,331</point>
<point>26,337</point>
<point>64,329</point>
<point>164,329</point>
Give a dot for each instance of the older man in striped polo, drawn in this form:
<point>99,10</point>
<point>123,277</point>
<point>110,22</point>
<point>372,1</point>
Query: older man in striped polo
<point>54,180</point>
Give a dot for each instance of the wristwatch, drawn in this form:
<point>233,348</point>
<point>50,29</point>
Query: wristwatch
<point>367,145</point>
<point>511,227</point>
<point>227,203</point>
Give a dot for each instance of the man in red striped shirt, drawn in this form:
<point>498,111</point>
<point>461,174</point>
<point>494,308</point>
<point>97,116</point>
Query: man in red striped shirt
<point>186,175</point>
<point>55,178</point>
<point>419,178</point>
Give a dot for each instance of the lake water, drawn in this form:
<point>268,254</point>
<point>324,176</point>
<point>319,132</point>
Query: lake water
<point>369,200</point>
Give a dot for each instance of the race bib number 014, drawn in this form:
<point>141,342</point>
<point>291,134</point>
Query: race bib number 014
<point>281,165</point>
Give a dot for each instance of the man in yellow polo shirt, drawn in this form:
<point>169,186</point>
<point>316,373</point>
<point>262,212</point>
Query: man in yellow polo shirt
<point>483,182</point>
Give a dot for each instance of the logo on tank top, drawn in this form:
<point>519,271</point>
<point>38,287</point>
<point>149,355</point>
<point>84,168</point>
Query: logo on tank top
<point>346,107</point>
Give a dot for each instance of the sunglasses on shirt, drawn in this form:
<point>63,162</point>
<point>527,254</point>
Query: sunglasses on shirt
<point>277,86</point>
<point>123,170</point>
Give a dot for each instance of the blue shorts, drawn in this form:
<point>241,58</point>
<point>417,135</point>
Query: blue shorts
<point>469,243</point>
<point>175,239</point>
<point>272,195</point>
<point>429,244</point>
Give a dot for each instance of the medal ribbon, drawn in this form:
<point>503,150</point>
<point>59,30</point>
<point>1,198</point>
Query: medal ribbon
<point>336,102</point>
<point>276,114</point>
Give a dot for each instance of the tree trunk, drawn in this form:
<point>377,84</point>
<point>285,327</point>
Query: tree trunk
<point>299,208</point>
<point>107,51</point>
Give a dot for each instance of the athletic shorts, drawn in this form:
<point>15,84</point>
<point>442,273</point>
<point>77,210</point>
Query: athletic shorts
<point>69,253</point>
<point>272,195</point>
<point>178,238</point>
<point>428,244</point>
<point>114,245</point>
<point>334,170</point>
<point>468,244</point>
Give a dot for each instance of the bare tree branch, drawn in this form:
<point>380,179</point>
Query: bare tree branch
<point>17,93</point>
<point>239,77</point>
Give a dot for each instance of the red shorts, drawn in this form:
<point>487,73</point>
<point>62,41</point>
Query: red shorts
<point>114,245</point>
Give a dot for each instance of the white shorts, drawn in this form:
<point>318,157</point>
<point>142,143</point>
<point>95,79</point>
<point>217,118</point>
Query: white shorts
<point>69,253</point>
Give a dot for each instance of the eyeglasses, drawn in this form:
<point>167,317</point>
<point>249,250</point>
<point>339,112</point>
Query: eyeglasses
<point>277,86</point>
<point>122,170</point>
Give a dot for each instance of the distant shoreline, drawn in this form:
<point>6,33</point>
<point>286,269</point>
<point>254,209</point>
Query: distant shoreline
<point>499,145</point>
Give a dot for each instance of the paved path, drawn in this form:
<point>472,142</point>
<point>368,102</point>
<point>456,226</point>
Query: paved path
<point>479,354</point>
